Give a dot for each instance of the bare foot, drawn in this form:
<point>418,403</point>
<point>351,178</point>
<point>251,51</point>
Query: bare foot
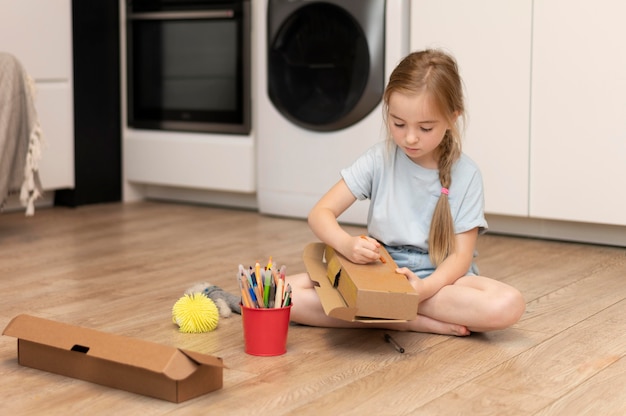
<point>426,324</point>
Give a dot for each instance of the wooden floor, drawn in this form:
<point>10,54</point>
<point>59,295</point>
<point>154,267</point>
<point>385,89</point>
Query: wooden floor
<point>120,268</point>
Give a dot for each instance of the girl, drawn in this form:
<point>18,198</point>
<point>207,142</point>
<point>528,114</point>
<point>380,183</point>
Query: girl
<point>426,208</point>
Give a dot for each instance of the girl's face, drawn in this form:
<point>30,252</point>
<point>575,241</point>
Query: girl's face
<point>417,127</point>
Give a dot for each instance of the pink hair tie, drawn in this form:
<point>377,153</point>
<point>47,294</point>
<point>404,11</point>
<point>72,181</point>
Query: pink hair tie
<point>445,191</point>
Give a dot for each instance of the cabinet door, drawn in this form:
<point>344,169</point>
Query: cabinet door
<point>55,112</point>
<point>491,42</point>
<point>578,133</point>
<point>39,34</point>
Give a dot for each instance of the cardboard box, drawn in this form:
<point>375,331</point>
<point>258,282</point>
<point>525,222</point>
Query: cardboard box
<point>360,292</point>
<point>111,360</point>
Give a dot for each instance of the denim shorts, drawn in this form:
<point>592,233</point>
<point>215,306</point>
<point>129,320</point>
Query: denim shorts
<point>417,260</point>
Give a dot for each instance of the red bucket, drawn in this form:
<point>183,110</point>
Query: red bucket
<point>265,330</point>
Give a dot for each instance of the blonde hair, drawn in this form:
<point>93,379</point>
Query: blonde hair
<point>435,73</point>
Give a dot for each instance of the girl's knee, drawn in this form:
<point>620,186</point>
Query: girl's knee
<point>300,281</point>
<point>508,308</point>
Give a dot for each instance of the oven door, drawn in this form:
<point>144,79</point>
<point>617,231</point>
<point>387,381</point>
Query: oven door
<point>189,67</point>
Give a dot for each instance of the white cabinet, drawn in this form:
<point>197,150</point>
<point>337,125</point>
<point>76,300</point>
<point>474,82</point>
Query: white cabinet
<point>39,34</point>
<point>578,112</point>
<point>55,110</point>
<point>491,40</point>
<point>546,99</point>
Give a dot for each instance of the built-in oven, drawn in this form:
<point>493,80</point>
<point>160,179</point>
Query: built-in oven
<point>188,65</point>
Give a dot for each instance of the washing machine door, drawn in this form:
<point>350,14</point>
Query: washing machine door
<point>325,60</point>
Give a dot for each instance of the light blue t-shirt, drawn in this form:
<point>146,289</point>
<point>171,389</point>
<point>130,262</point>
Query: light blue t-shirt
<point>403,195</point>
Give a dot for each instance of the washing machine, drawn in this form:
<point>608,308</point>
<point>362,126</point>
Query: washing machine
<point>321,68</point>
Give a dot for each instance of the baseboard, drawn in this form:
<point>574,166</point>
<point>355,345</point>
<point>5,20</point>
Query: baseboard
<point>200,196</point>
<point>613,235</point>
<point>13,203</point>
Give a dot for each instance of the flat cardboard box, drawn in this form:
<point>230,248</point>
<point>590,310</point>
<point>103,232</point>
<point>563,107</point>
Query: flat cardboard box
<point>120,362</point>
<point>360,292</point>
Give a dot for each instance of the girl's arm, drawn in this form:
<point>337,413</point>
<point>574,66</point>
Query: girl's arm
<point>453,267</point>
<point>323,221</point>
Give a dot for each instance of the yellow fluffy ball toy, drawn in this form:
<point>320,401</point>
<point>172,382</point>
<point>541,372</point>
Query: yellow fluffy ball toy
<point>195,313</point>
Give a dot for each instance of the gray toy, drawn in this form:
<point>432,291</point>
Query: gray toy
<point>225,302</point>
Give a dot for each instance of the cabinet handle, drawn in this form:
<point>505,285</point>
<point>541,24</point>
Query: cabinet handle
<point>212,14</point>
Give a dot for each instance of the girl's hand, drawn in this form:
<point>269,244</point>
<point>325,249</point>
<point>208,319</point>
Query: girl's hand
<point>416,282</point>
<point>362,250</point>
